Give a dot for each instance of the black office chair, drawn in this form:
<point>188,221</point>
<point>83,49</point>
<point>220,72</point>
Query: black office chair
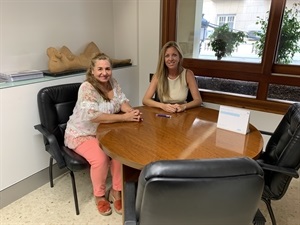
<point>189,192</point>
<point>55,105</point>
<point>189,97</point>
<point>281,158</point>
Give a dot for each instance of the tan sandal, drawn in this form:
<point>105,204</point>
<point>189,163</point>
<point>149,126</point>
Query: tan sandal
<point>116,203</point>
<point>103,207</point>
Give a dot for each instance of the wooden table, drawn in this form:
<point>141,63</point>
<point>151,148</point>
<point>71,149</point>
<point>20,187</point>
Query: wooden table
<point>192,134</point>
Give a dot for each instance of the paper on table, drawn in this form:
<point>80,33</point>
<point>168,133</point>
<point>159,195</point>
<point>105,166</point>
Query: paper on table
<point>233,119</point>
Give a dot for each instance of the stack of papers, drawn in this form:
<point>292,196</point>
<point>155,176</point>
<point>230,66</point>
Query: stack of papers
<point>21,75</point>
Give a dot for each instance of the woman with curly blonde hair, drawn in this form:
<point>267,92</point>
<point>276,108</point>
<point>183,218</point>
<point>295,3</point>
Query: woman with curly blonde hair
<point>100,99</point>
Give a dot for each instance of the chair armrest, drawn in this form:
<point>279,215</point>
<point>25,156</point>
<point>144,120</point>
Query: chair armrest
<point>266,132</point>
<point>129,203</point>
<point>53,148</point>
<point>279,169</point>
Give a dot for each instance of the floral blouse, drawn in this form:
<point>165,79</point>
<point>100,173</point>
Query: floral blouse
<point>90,104</point>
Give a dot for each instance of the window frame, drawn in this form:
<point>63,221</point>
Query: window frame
<point>264,73</point>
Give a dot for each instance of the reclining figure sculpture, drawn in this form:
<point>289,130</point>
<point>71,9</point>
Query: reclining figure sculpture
<point>64,60</point>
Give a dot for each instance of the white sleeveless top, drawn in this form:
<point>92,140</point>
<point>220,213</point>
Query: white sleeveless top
<point>178,89</point>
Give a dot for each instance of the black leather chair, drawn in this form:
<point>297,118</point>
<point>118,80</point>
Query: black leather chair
<point>189,192</point>
<point>281,158</point>
<point>55,105</point>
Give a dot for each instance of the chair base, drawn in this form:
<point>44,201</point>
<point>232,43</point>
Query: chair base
<point>73,184</point>
<point>259,218</point>
<point>270,210</point>
<point>51,172</point>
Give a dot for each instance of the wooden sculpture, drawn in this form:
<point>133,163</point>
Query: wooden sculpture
<point>64,60</point>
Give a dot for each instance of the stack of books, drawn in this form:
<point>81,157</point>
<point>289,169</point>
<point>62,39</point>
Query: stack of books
<point>21,75</point>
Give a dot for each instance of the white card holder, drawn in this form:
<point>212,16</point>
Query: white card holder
<point>234,119</point>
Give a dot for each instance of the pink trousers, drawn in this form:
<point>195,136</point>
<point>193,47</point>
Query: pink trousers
<point>100,164</point>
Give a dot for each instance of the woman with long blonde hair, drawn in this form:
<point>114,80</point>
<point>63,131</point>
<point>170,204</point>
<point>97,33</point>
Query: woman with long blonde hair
<point>172,82</point>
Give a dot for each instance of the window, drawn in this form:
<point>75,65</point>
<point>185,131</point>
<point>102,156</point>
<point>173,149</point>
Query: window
<point>288,49</point>
<point>223,22</point>
<point>229,19</point>
<point>266,83</point>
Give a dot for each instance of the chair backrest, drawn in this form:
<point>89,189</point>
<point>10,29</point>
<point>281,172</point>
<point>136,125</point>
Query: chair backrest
<point>55,106</point>
<point>213,191</point>
<point>283,149</point>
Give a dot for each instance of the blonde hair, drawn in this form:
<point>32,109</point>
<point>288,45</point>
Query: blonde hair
<point>162,70</point>
<point>90,77</point>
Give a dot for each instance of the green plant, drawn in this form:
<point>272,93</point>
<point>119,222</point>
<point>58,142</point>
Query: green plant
<point>223,40</point>
<point>289,37</point>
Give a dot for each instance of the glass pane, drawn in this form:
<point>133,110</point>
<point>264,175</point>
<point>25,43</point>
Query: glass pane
<point>284,92</point>
<point>229,86</point>
<point>289,44</point>
<point>220,29</point>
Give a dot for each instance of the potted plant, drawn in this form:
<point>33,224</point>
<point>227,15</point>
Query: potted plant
<point>289,38</point>
<point>223,40</point>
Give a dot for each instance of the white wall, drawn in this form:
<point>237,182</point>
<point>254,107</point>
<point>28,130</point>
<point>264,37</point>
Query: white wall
<point>148,41</point>
<point>121,29</point>
<point>29,27</point>
<point>125,29</point>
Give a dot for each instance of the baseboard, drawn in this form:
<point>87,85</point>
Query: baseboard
<point>27,185</point>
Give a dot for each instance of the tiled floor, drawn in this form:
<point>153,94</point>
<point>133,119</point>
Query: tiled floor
<point>55,206</point>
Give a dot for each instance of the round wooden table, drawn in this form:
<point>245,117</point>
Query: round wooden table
<point>192,134</point>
